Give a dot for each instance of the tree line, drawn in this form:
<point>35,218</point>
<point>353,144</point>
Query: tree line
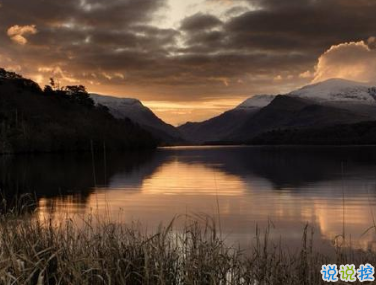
<point>60,119</point>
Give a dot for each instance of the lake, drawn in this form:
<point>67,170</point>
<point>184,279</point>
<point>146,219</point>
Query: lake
<point>331,188</point>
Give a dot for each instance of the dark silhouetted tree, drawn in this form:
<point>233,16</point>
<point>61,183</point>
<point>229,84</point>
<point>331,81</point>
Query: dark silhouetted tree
<point>78,94</point>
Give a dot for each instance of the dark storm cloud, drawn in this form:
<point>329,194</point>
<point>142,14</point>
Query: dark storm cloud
<point>313,23</point>
<point>200,22</point>
<point>86,34</point>
<point>116,43</point>
<point>91,12</point>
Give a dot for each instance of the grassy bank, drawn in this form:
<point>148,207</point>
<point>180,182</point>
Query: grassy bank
<point>32,252</point>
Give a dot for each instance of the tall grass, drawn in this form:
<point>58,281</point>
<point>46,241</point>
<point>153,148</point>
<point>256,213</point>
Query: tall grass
<point>35,252</point>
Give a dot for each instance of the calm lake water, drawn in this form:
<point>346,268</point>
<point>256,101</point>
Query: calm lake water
<point>332,189</point>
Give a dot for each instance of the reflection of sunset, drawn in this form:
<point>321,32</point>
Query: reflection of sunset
<point>357,220</point>
<point>178,178</point>
<point>60,209</point>
<point>177,187</point>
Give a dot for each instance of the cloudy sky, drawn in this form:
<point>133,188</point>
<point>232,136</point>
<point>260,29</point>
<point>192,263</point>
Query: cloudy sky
<point>189,60</point>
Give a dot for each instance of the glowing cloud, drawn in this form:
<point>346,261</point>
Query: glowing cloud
<point>18,33</point>
<point>353,61</point>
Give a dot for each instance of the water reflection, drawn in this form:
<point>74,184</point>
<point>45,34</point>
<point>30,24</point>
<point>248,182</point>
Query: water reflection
<point>333,189</point>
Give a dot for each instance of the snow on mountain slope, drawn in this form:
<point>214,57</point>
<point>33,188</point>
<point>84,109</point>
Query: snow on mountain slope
<point>257,101</point>
<point>133,109</point>
<point>335,101</point>
<point>338,90</point>
<point>124,107</point>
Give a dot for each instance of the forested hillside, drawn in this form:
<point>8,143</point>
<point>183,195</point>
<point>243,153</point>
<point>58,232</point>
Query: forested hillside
<point>363,133</point>
<point>60,119</point>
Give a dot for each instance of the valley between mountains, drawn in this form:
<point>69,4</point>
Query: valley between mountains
<point>304,116</point>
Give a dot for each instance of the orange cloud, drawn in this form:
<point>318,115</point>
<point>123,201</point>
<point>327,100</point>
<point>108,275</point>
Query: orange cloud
<point>18,33</point>
<point>353,61</point>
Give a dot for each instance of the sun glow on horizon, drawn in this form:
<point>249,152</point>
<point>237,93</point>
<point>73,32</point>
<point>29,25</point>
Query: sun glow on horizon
<point>178,113</point>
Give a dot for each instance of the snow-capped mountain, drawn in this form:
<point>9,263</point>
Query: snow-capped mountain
<point>122,107</point>
<point>335,101</point>
<point>257,101</point>
<point>328,103</point>
<point>133,109</point>
<point>338,90</point>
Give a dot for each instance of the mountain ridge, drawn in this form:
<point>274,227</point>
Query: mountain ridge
<point>215,128</point>
<point>333,101</point>
<point>33,120</point>
<point>338,90</point>
<point>137,112</point>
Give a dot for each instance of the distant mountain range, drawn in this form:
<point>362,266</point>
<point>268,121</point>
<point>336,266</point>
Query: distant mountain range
<point>313,107</point>
<point>134,110</point>
<point>335,111</point>
<point>320,105</point>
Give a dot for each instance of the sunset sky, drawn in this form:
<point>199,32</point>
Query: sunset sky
<point>189,60</point>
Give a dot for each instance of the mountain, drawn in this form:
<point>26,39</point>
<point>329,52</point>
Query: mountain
<point>338,91</point>
<point>256,102</point>
<point>133,109</point>
<point>36,120</point>
<point>320,105</point>
<point>223,125</point>
<point>287,111</point>
<point>363,133</point>
<point>332,102</point>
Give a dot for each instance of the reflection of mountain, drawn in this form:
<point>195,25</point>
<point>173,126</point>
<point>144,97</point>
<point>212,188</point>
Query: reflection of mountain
<point>238,183</point>
<point>134,176</point>
<point>61,175</point>
<point>285,167</point>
